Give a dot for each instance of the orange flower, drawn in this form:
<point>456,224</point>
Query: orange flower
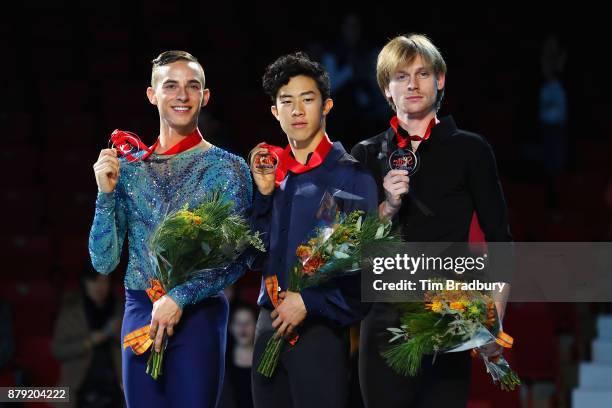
<point>457,306</point>
<point>491,314</point>
<point>303,252</point>
<point>313,265</point>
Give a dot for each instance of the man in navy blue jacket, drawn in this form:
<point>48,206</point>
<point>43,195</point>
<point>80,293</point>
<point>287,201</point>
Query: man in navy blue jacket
<point>312,172</point>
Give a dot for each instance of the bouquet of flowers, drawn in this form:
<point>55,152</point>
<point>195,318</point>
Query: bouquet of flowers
<point>449,321</point>
<point>195,243</point>
<point>334,251</point>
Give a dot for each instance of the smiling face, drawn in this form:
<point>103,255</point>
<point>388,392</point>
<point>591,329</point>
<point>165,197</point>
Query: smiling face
<point>414,88</point>
<point>179,94</point>
<point>300,109</point>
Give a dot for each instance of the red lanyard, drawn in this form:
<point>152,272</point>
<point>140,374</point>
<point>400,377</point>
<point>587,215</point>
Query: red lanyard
<point>126,142</point>
<point>402,142</point>
<point>288,163</point>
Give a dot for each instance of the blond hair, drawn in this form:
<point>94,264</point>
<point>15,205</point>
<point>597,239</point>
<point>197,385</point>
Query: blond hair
<point>403,50</point>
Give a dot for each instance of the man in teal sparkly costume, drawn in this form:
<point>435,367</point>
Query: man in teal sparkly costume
<point>133,198</point>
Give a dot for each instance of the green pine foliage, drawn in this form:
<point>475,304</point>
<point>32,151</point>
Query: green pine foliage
<point>209,236</point>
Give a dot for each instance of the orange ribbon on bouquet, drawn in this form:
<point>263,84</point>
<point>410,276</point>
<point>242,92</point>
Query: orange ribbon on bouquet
<point>503,339</point>
<point>139,339</point>
<point>272,288</point>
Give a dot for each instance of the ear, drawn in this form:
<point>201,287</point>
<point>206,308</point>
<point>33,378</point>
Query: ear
<point>327,106</point>
<point>441,80</point>
<point>151,96</point>
<point>274,111</point>
<point>205,96</point>
<point>387,93</point>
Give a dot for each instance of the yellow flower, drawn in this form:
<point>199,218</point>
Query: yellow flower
<point>190,217</point>
<point>435,307</point>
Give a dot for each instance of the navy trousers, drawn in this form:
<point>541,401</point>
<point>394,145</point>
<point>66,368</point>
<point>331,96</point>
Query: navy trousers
<point>194,360</point>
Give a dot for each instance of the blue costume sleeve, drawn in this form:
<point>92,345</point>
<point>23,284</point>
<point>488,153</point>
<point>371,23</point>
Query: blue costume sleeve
<point>236,184</point>
<point>339,300</point>
<point>107,232</point>
<point>260,219</point>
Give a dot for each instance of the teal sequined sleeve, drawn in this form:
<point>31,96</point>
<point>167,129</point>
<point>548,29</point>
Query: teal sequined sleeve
<point>108,232</point>
<point>148,191</point>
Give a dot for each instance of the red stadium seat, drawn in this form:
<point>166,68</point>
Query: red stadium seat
<point>26,257</point>
<point>34,307</point>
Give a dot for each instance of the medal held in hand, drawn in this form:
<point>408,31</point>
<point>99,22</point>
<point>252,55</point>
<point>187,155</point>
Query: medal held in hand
<point>263,161</point>
<point>404,159</point>
<point>128,144</point>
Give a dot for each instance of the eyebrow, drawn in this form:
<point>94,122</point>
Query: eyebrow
<point>174,81</point>
<point>422,68</point>
<point>281,96</point>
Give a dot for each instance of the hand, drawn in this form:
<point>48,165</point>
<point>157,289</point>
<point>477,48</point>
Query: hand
<point>289,314</point>
<point>98,337</point>
<point>395,184</point>
<point>264,182</point>
<point>165,315</point>
<point>106,170</point>
<point>491,350</point>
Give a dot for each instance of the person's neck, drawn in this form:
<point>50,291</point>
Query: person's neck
<point>243,355</point>
<point>301,149</point>
<point>169,137</point>
<point>415,125</point>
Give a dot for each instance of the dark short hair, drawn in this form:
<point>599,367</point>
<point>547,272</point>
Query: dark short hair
<point>280,72</point>
<point>168,57</point>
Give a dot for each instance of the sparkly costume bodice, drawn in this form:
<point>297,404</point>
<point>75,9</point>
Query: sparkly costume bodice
<point>145,193</point>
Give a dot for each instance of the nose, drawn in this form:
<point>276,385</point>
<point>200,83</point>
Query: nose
<point>182,94</point>
<point>413,84</point>
<point>298,109</point>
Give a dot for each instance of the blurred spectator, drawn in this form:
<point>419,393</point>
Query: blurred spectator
<point>86,342</point>
<point>239,358</point>
<point>550,150</point>
<point>351,65</point>
<point>553,106</point>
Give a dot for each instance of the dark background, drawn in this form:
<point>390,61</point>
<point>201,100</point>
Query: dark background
<point>71,73</point>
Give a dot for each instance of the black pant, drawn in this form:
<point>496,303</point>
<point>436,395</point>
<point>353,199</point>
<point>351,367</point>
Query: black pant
<point>440,383</point>
<point>312,373</point>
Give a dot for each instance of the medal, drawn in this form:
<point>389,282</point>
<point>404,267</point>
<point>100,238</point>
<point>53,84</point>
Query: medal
<point>128,144</point>
<point>263,160</point>
<point>404,159</point>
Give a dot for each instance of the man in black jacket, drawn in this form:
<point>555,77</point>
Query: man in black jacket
<point>456,175</point>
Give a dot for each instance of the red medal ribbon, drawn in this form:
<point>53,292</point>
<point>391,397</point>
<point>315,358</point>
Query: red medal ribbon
<point>126,141</point>
<point>288,163</point>
<point>402,142</point>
